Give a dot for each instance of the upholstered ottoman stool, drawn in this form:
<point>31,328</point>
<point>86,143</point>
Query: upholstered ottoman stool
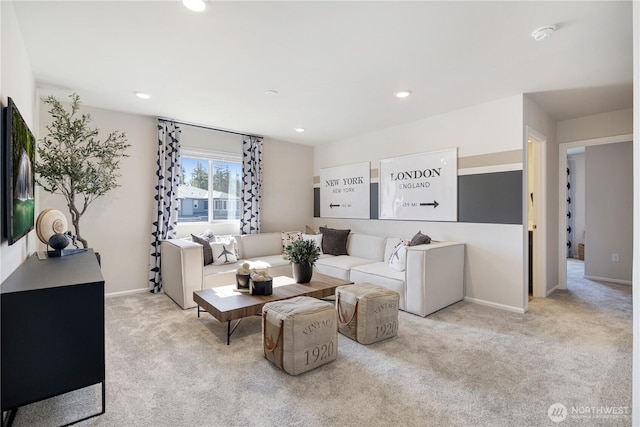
<point>367,313</point>
<point>299,334</point>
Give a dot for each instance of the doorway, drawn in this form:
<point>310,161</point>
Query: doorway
<point>563,194</point>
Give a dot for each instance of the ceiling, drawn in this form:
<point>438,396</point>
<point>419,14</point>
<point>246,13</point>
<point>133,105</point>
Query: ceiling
<point>334,64</point>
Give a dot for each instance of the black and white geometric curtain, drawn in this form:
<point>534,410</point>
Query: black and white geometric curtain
<point>251,194</point>
<point>569,220</point>
<point>165,217</point>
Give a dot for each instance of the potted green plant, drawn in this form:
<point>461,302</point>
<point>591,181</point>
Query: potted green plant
<point>302,254</point>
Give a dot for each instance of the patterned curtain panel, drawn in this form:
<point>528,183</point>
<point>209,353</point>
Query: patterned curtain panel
<point>165,216</point>
<point>251,184</point>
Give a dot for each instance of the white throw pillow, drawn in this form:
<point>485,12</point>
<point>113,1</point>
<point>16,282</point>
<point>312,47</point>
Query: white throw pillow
<point>228,240</point>
<point>398,258</point>
<point>223,253</point>
<point>316,238</point>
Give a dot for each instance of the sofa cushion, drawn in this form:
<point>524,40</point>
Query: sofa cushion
<point>222,268</point>
<point>381,274</point>
<point>223,253</point>
<point>339,266</point>
<point>334,241</point>
<point>264,262</point>
<point>367,247</point>
<point>206,249</point>
<point>256,245</point>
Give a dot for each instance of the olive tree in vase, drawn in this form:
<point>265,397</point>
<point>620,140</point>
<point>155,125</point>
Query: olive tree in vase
<point>302,254</point>
<point>74,162</point>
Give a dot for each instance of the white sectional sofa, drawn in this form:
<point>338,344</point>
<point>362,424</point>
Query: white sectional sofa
<point>183,270</point>
<point>432,278</point>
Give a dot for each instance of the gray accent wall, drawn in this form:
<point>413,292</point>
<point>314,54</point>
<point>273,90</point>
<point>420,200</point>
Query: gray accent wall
<point>609,211</point>
<point>494,198</point>
<point>374,205</point>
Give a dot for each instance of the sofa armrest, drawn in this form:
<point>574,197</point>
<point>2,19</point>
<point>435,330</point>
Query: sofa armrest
<point>434,276</point>
<point>182,270</point>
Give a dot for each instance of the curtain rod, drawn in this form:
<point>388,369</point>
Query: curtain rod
<point>195,125</point>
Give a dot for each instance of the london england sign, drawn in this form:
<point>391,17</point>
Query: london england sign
<point>420,187</point>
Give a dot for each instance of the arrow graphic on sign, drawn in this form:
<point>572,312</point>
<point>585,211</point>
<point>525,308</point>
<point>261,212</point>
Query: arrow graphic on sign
<point>331,205</point>
<point>434,204</point>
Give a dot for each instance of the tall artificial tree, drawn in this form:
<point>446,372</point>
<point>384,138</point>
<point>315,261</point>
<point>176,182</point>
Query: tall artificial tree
<point>74,162</point>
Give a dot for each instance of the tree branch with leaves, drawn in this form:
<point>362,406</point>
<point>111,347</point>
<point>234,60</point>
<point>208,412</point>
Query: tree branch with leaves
<point>74,162</point>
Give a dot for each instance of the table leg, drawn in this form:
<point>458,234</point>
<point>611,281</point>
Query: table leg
<point>230,329</point>
<point>8,417</point>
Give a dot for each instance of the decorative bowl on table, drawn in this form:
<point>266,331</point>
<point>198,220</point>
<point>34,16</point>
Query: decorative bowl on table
<point>260,284</point>
<point>242,281</point>
<point>243,275</point>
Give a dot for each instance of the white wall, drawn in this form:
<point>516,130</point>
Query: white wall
<point>287,186</point>
<point>618,122</point>
<point>494,252</point>
<point>609,211</point>
<point>17,82</point>
<point>118,225</point>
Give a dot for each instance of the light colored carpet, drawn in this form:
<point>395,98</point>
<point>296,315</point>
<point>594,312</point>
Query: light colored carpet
<point>466,365</point>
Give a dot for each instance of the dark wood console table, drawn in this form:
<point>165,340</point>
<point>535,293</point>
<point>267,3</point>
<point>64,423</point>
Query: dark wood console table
<point>51,330</point>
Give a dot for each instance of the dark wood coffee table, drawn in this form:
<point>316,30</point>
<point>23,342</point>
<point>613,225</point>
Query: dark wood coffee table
<point>226,303</point>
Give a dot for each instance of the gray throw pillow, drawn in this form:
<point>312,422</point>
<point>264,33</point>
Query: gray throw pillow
<point>206,248</point>
<point>419,239</point>
<point>334,241</point>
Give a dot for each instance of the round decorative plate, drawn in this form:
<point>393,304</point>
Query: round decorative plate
<point>50,222</point>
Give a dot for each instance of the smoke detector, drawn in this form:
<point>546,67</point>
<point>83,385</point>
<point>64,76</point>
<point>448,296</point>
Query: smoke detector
<point>543,33</point>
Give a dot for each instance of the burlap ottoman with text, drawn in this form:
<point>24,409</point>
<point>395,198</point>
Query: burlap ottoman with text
<point>367,313</point>
<point>299,334</point>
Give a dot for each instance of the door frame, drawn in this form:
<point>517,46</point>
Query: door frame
<point>539,141</point>
<point>562,196</point>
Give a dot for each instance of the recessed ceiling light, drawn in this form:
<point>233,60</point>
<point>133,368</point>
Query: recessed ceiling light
<point>142,95</point>
<point>543,33</point>
<point>299,130</point>
<point>271,92</point>
<point>402,93</point>
<point>195,5</point>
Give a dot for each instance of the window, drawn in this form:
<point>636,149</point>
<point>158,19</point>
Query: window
<point>209,179</point>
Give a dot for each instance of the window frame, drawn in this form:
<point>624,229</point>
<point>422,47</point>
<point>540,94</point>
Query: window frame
<point>210,157</point>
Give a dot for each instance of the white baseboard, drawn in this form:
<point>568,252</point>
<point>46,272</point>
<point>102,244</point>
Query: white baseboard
<point>121,293</point>
<point>495,305</point>
<point>552,290</point>
<point>605,279</point>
